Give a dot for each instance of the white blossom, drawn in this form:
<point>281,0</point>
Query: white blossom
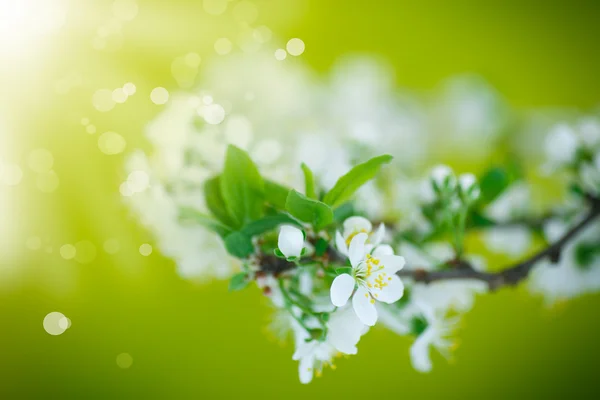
<point>561,145</point>
<point>576,273</point>
<point>352,227</point>
<point>435,335</point>
<point>344,331</point>
<point>510,240</point>
<point>374,277</point>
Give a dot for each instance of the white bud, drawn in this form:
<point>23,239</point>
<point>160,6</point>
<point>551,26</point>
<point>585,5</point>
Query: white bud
<point>468,186</point>
<point>290,241</point>
<point>443,176</point>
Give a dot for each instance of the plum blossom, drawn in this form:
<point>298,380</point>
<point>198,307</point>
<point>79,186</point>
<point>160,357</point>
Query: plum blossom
<point>436,334</point>
<point>352,227</point>
<point>373,277</point>
<point>344,331</point>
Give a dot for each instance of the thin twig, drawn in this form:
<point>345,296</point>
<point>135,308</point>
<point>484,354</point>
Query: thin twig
<point>513,274</point>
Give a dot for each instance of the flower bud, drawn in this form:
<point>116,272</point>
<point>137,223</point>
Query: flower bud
<point>468,187</point>
<point>442,178</point>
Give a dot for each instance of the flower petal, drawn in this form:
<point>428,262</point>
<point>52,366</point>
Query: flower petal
<point>392,292</point>
<point>340,243</point>
<point>357,251</point>
<point>377,236</point>
<point>305,369</point>
<point>364,307</point>
<point>419,352</point>
<point>355,225</point>
<point>392,264</point>
<point>290,241</point>
<point>345,330</point>
<point>341,290</point>
<point>383,250</point>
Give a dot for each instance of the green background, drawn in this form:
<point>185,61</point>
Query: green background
<point>199,341</point>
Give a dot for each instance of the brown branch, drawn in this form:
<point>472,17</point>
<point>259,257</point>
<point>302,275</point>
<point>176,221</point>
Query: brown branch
<point>513,274</point>
<point>460,269</point>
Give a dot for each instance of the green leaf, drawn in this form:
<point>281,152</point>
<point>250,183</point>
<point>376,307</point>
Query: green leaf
<point>348,184</point>
<point>215,203</point>
<point>276,194</point>
<point>309,182</point>
<point>308,210</point>
<point>242,187</point>
<point>268,223</point>
<point>238,282</point>
<point>321,247</point>
<point>493,183</point>
<point>496,180</point>
<point>239,245</point>
<point>343,212</point>
<point>187,214</point>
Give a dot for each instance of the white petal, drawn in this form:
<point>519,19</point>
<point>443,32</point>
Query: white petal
<point>392,263</point>
<point>305,369</point>
<point>390,293</point>
<point>355,225</point>
<point>345,330</point>
<point>357,251</point>
<point>377,237</point>
<point>364,307</point>
<point>290,241</point>
<point>341,290</point>
<point>383,250</point>
<point>419,352</point>
<point>340,243</point>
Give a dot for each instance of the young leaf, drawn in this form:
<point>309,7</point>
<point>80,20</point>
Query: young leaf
<point>238,281</point>
<point>309,182</point>
<point>343,212</point>
<point>496,180</point>
<point>239,245</point>
<point>493,183</point>
<point>187,214</point>
<point>242,187</point>
<point>276,194</point>
<point>215,203</point>
<point>308,210</point>
<point>348,184</point>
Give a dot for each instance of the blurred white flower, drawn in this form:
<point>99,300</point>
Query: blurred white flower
<point>561,145</point>
<point>510,240</point>
<point>436,334</point>
<point>344,332</point>
<point>578,270</point>
<point>514,202</point>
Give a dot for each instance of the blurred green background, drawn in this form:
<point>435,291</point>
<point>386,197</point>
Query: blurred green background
<point>199,341</point>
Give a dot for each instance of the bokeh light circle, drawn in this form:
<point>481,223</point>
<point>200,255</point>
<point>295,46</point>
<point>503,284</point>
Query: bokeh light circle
<point>55,323</point>
<point>295,47</point>
<point>159,95</point>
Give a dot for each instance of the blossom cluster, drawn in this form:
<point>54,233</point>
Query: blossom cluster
<point>336,241</point>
